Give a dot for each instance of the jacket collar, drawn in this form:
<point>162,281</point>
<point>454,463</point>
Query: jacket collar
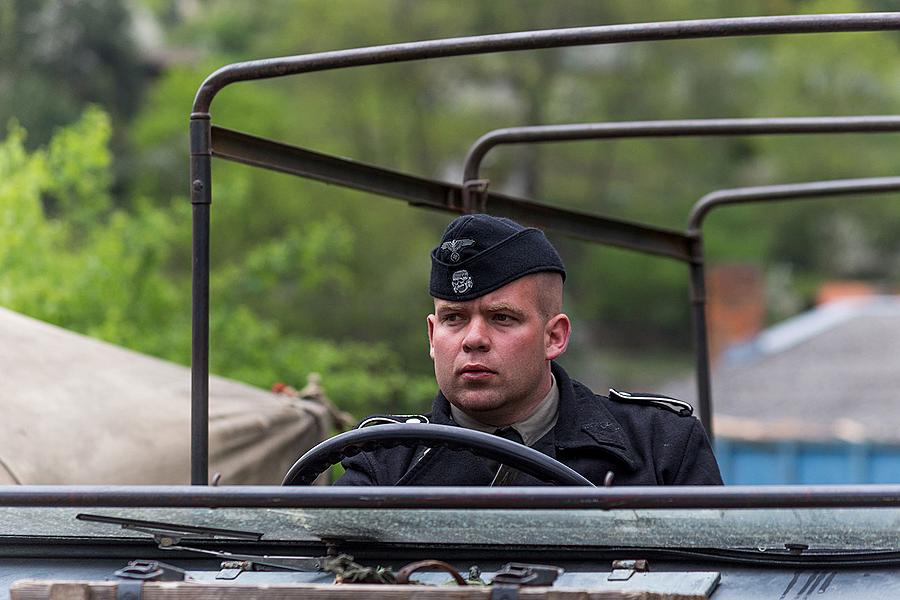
<point>584,420</point>
<point>440,410</point>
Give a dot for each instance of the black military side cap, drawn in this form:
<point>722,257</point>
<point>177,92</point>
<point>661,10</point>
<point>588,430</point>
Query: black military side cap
<point>480,253</point>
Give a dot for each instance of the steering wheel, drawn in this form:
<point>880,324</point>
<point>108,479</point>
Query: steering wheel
<point>485,445</point>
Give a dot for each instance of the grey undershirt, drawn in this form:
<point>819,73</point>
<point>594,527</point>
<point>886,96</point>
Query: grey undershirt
<point>531,428</point>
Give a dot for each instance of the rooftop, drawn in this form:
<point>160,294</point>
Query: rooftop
<point>830,373</point>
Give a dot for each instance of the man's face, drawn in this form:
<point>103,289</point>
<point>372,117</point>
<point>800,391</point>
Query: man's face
<point>491,354</point>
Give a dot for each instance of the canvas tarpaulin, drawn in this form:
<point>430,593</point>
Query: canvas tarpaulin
<point>80,411</point>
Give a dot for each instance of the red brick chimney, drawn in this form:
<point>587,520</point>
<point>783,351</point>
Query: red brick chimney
<point>838,290</point>
<point>736,307</point>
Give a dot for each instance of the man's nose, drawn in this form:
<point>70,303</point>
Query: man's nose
<point>477,338</point>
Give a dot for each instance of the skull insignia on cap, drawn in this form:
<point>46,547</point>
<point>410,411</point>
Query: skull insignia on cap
<point>461,281</point>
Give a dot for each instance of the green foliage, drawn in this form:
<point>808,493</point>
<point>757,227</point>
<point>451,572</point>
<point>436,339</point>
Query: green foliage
<point>361,377</point>
<point>103,271</point>
<point>67,256</point>
<point>79,164</point>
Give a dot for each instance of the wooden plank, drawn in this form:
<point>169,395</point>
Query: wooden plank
<point>106,590</point>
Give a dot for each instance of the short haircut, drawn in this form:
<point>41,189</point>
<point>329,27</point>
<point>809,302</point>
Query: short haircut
<point>549,289</point>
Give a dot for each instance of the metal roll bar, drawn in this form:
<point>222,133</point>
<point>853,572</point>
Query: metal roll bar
<point>440,195</point>
<point>750,195</point>
<point>201,137</point>
<point>506,498</point>
<point>791,191</point>
<point>671,128</point>
<point>475,188</point>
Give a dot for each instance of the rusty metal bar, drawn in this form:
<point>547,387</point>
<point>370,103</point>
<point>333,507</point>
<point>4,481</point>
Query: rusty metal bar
<point>439,195</point>
<point>700,329</point>
<point>792,191</point>
<point>508,498</point>
<point>201,198</point>
<point>284,158</point>
<point>671,128</point>
<point>537,40</point>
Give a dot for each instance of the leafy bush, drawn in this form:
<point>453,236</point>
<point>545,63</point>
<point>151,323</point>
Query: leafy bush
<point>70,257</point>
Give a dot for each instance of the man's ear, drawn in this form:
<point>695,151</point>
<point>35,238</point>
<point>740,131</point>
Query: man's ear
<point>556,336</point>
<point>430,320</point>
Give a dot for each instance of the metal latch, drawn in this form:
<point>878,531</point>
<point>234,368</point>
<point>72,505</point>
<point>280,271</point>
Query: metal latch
<point>151,570</point>
<point>135,573</point>
<point>622,570</point>
<point>525,574</point>
<point>505,584</point>
<point>474,196</point>
<point>230,569</point>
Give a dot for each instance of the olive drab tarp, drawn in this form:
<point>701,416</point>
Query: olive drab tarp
<point>80,411</point>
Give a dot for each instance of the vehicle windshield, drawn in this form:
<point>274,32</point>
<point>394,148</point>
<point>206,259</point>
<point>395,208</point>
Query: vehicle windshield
<point>761,530</point>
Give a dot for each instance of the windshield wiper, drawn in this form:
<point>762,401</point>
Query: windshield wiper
<point>169,535</point>
<point>289,563</point>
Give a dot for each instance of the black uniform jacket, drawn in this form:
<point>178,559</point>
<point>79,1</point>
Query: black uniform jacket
<point>641,444</point>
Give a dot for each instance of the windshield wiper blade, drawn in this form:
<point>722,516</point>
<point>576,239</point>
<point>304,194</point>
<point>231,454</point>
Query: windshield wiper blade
<point>168,534</point>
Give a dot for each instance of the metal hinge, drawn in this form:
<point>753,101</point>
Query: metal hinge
<point>622,570</point>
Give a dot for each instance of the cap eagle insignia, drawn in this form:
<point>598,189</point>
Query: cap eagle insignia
<point>454,246</point>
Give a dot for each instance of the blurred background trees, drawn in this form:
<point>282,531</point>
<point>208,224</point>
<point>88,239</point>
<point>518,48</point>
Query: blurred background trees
<point>95,221</point>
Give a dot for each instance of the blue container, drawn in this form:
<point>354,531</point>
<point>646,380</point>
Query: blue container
<point>760,463</point>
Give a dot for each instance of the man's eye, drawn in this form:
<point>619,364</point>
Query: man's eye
<point>502,318</point>
<point>451,318</point>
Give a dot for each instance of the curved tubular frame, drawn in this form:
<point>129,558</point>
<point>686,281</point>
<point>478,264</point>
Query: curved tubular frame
<point>671,128</point>
<point>791,191</point>
<point>537,40</point>
<point>475,198</point>
<point>753,195</point>
<point>201,129</point>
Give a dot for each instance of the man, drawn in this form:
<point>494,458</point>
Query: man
<point>497,327</point>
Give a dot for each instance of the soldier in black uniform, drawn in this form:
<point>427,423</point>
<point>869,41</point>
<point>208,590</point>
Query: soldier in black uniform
<point>496,331</point>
